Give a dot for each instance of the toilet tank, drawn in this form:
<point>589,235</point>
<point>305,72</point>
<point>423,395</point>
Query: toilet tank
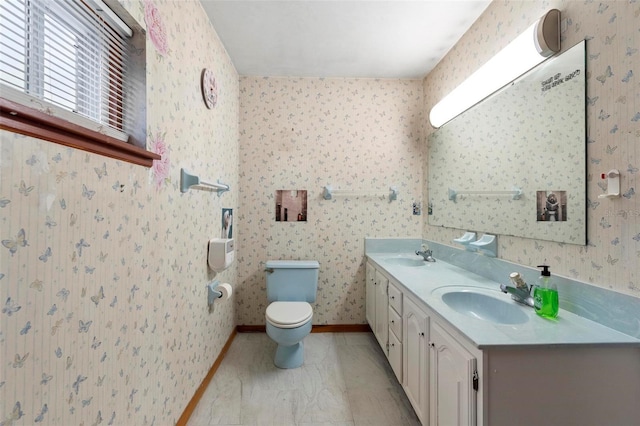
<point>292,280</point>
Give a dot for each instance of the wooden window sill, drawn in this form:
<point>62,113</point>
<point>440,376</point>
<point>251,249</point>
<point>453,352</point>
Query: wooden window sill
<point>27,121</point>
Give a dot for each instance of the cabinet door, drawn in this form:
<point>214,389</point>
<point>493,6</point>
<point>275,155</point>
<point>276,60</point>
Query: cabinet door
<point>453,397</point>
<point>382,311</point>
<point>415,358</point>
<point>371,296</point>
<point>395,355</point>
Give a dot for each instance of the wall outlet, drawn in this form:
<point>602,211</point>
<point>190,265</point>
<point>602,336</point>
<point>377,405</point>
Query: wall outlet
<point>416,208</point>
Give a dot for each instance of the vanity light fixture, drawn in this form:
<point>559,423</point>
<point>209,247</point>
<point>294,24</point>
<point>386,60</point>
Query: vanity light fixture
<point>540,41</point>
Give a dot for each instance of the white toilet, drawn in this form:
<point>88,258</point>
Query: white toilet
<point>291,287</point>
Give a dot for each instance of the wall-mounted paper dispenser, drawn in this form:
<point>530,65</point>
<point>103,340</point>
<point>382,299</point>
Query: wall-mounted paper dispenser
<point>613,184</point>
<point>221,253</point>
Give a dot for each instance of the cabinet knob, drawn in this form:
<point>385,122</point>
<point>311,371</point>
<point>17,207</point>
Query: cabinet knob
<point>393,321</point>
<point>421,334</point>
<point>393,297</point>
<point>432,344</point>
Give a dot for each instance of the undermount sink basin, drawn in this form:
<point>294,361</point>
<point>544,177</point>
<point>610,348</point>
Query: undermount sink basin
<point>482,304</point>
<point>404,261</point>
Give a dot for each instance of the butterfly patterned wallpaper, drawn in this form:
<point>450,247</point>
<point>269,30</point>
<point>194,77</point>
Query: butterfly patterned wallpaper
<point>611,258</point>
<point>305,133</point>
<point>103,263</point>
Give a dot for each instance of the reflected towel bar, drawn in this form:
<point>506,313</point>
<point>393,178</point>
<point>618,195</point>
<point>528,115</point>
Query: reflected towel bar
<point>516,193</point>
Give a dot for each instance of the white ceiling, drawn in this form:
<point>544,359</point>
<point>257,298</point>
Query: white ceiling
<point>333,38</point>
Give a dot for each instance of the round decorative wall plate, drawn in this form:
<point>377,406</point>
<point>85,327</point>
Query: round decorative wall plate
<point>209,88</point>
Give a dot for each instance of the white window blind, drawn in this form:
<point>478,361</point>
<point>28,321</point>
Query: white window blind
<point>75,56</point>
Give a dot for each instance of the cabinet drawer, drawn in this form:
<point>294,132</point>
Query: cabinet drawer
<point>395,298</point>
<point>395,322</point>
<point>395,356</point>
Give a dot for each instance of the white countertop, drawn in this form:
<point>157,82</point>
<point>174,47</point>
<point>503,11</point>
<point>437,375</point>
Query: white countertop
<point>567,330</point>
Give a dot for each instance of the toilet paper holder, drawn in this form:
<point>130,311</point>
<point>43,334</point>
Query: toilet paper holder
<point>212,293</point>
<point>216,291</point>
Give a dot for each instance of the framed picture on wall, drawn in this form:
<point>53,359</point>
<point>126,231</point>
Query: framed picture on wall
<point>227,223</point>
<point>291,205</point>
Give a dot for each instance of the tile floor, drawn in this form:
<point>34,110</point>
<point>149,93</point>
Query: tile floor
<point>345,380</point>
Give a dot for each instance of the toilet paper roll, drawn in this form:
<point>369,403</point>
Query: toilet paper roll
<point>226,290</point>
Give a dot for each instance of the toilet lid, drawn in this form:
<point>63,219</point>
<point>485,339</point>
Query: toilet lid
<point>289,314</point>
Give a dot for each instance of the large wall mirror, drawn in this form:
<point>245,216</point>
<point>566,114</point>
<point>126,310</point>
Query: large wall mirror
<point>515,164</point>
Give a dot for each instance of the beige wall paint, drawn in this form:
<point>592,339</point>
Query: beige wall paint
<point>612,257</point>
<point>128,267</point>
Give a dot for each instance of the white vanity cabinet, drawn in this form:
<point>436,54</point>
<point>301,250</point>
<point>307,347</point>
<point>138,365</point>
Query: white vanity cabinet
<point>463,371</point>
<point>454,380</point>
<point>384,315</point>
<point>435,370</point>
<point>564,385</point>
<point>415,357</point>
<point>377,305</point>
<point>382,310</point>
<point>394,350</point>
<point>371,295</point>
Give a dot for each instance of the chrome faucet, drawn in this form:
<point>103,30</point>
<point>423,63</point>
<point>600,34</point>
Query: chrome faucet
<point>426,254</point>
<point>519,294</point>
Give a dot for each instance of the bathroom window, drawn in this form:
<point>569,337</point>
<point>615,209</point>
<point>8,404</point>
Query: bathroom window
<point>74,74</point>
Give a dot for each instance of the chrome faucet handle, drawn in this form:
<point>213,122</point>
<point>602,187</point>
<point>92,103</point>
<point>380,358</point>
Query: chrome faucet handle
<point>519,295</point>
<point>427,255</point>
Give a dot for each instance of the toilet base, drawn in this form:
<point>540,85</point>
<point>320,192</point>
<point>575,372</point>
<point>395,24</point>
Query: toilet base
<point>289,356</point>
<point>290,351</point>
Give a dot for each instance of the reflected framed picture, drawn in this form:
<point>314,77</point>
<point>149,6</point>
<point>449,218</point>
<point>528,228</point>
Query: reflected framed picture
<point>551,206</point>
<point>291,205</point>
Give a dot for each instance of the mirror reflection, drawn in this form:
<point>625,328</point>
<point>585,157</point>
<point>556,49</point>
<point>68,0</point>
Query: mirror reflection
<point>529,137</point>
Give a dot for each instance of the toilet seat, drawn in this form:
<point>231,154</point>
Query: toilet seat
<point>289,314</point>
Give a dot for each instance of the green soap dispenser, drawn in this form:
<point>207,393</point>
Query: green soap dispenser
<point>545,295</point>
